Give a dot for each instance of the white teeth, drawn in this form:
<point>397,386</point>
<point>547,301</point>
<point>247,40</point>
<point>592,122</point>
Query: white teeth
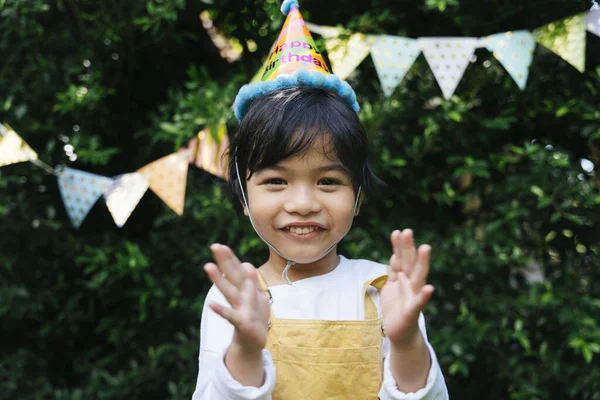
<point>301,231</point>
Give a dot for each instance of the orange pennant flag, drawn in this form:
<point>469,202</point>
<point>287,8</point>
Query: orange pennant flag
<point>168,178</point>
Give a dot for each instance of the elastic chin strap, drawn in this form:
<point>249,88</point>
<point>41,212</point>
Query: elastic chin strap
<point>290,263</point>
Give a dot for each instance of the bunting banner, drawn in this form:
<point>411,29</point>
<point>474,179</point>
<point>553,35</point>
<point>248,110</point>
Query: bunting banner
<point>593,22</point>
<point>13,149</point>
<point>80,190</point>
<point>566,38</point>
<point>124,194</point>
<point>167,178</point>
<point>346,54</point>
<point>514,50</point>
<point>448,59</point>
<point>393,56</point>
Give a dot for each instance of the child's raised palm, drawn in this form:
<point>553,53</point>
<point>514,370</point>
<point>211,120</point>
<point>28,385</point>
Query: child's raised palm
<point>405,293</point>
<point>249,311</point>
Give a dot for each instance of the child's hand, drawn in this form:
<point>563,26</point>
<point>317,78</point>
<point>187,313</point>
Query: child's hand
<point>405,293</point>
<point>249,311</point>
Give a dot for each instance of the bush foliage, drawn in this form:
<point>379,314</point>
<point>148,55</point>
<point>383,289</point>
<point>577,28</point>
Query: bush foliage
<point>492,179</point>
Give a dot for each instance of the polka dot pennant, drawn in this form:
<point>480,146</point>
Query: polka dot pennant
<point>167,178</point>
<point>566,38</point>
<point>593,22</point>
<point>80,190</point>
<point>124,194</point>
<point>448,59</point>
<point>515,51</point>
<point>393,56</point>
<point>346,54</point>
<point>13,149</point>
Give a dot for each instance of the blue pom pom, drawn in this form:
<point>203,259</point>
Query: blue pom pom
<point>331,82</point>
<point>318,79</point>
<point>285,81</point>
<point>356,107</point>
<point>345,91</point>
<point>287,6</point>
<point>303,77</point>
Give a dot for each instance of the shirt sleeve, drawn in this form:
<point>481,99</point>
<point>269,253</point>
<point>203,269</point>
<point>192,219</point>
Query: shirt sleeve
<point>214,380</point>
<point>435,387</point>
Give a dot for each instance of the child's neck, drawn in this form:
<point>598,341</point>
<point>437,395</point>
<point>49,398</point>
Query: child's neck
<point>271,270</point>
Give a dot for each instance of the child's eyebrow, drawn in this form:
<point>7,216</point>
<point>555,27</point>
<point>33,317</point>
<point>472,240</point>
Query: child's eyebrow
<point>325,168</point>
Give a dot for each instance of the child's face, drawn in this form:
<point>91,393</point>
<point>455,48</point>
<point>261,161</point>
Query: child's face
<point>304,204</point>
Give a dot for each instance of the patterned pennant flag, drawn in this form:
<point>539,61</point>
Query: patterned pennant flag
<point>13,149</point>
<point>393,56</point>
<point>209,154</point>
<point>448,59</point>
<point>124,194</point>
<point>566,38</point>
<point>346,54</point>
<point>80,190</point>
<point>593,21</point>
<point>514,50</point>
<point>167,178</point>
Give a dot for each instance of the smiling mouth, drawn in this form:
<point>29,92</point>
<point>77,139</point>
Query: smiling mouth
<point>302,231</point>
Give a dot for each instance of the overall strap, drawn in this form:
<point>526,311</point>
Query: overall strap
<point>370,307</point>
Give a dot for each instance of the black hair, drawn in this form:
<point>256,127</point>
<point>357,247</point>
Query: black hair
<point>286,122</point>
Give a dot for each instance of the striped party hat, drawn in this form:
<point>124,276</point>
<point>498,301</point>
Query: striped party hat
<point>294,61</point>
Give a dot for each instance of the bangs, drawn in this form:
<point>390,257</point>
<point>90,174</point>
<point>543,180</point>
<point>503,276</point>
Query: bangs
<point>288,122</point>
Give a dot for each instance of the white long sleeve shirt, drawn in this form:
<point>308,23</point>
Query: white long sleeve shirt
<point>337,295</point>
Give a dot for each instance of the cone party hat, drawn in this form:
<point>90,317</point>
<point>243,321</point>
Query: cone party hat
<point>294,61</point>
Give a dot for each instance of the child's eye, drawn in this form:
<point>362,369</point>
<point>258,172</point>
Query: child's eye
<point>328,181</point>
<point>274,181</point>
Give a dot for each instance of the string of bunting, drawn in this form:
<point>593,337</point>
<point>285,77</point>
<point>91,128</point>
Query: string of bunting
<point>166,177</point>
<point>448,57</point>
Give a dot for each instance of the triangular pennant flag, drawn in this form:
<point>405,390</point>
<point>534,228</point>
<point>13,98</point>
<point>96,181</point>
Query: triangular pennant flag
<point>325,31</point>
<point>448,58</point>
<point>124,194</point>
<point>593,22</point>
<point>393,56</point>
<point>80,190</point>
<point>167,178</point>
<point>346,54</point>
<point>514,50</point>
<point>13,149</point>
<point>565,38</point>
<point>208,153</point>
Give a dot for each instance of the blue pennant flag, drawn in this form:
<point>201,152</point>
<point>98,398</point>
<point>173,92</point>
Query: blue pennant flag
<point>515,51</point>
<point>393,56</point>
<point>80,190</point>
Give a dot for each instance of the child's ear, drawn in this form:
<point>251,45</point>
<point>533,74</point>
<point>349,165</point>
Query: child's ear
<point>244,208</point>
<point>360,200</point>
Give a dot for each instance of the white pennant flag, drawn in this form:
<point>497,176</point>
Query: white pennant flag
<point>80,190</point>
<point>124,195</point>
<point>393,56</point>
<point>448,59</point>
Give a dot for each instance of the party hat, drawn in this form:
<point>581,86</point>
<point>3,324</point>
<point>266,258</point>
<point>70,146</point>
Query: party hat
<point>294,61</point>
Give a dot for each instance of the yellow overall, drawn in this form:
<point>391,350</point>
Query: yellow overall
<point>333,360</point>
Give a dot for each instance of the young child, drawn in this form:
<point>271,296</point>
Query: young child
<point>310,323</point>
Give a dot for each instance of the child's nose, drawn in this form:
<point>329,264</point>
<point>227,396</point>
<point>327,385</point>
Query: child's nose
<point>302,201</point>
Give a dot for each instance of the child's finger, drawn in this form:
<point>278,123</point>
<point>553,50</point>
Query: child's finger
<point>419,275</point>
<point>424,296</point>
<point>409,252</point>
<point>230,292</point>
<point>225,312</point>
<point>395,260</point>
<point>228,264</point>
